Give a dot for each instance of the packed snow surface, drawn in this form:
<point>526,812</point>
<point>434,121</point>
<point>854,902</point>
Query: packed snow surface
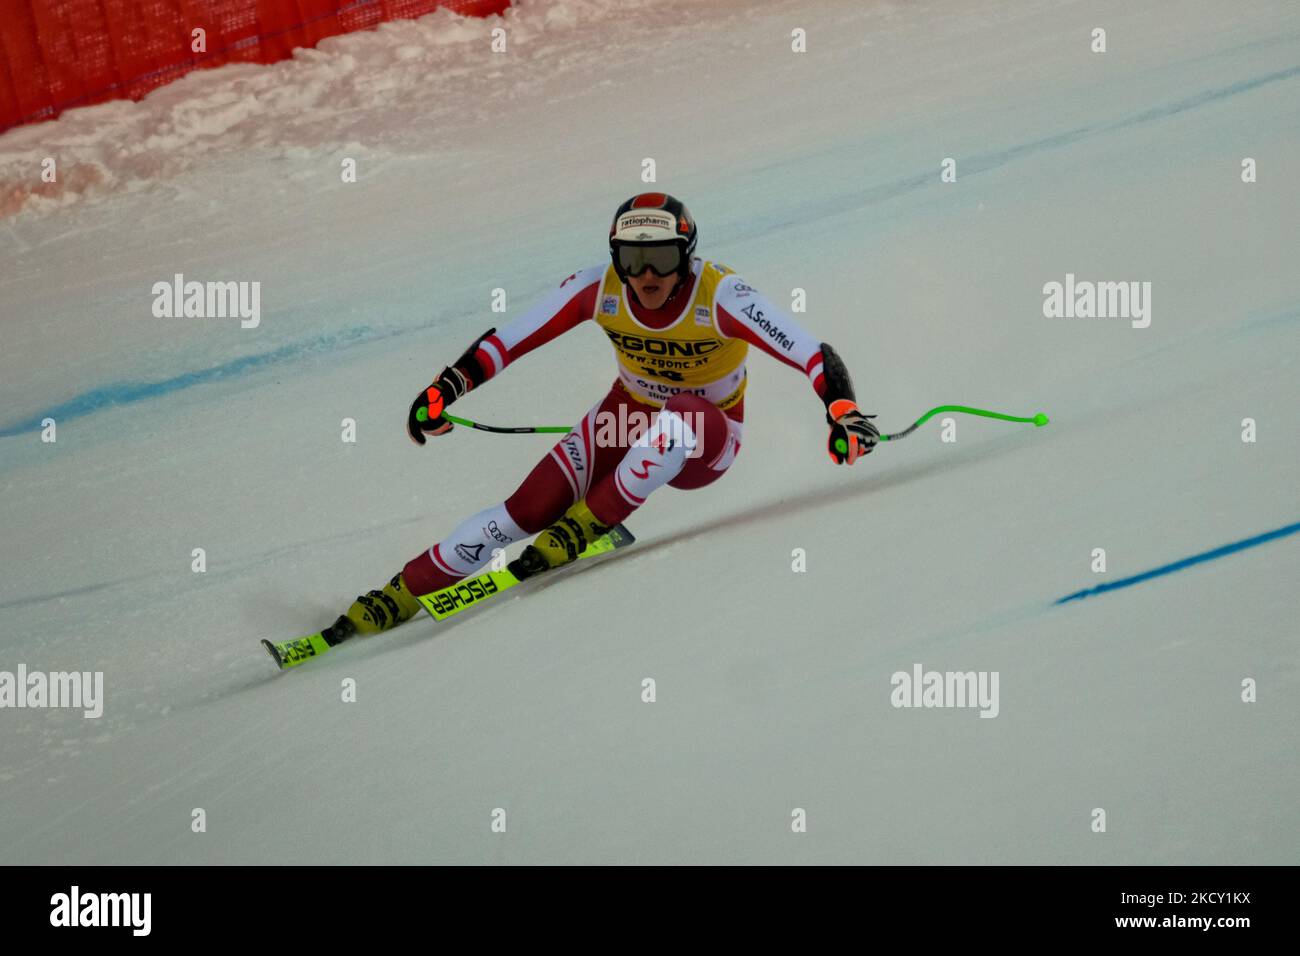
<point>817,171</point>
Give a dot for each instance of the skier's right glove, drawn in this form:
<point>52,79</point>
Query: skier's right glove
<point>425,416</point>
<point>852,433</point>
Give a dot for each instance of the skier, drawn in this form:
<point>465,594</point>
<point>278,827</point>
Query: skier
<point>681,328</point>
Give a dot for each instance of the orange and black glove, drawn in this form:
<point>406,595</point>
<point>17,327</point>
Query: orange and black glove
<point>852,433</point>
<point>425,416</point>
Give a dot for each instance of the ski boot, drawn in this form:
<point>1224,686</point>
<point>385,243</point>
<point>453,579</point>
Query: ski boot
<point>371,613</point>
<point>559,544</point>
<point>377,611</point>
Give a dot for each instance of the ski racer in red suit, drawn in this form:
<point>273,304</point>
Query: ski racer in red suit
<point>681,328</point>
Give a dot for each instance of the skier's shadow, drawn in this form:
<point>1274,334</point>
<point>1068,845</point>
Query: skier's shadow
<point>830,495</point>
<point>777,508</point>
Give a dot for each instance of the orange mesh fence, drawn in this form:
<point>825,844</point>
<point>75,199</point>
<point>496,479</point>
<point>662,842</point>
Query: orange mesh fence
<point>57,54</point>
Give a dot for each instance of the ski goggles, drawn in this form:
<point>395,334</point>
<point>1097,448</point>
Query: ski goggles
<point>663,259</point>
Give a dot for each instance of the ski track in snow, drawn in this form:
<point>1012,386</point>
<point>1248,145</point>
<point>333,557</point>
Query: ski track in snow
<point>817,171</point>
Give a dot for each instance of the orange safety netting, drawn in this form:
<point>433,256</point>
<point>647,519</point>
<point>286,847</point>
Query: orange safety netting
<point>57,54</point>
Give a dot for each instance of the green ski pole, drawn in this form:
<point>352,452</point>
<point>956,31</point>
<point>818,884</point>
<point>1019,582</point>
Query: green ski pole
<point>1038,420</point>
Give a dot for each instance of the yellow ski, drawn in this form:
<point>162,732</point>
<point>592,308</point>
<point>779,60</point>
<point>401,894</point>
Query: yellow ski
<point>472,592</point>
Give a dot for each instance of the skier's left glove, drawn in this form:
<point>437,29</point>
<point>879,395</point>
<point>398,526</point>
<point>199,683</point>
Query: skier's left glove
<point>852,433</point>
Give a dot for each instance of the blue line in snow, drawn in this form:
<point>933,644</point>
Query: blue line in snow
<point>1185,563</point>
<point>127,393</point>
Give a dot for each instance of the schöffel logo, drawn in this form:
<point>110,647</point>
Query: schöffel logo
<point>637,343</point>
<point>464,594</point>
<point>773,331</point>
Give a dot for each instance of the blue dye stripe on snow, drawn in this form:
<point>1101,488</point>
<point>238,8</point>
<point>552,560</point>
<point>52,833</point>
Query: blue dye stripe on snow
<point>1185,563</point>
<point>127,393</point>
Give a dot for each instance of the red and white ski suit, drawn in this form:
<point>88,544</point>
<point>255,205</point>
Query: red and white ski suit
<point>673,416</point>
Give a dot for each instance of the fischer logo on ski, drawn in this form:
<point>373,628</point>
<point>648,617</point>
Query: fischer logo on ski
<point>460,595</point>
<point>474,591</point>
<point>292,653</point>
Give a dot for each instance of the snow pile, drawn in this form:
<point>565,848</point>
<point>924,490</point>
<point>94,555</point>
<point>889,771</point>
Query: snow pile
<point>323,98</point>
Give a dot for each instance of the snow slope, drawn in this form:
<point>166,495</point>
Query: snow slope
<point>818,171</point>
